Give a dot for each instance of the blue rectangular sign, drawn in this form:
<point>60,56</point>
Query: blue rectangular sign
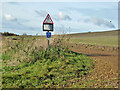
<point>48,34</point>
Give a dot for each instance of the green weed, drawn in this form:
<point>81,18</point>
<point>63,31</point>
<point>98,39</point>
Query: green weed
<point>40,68</point>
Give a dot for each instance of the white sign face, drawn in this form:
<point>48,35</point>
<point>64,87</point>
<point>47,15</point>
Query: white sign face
<point>48,27</point>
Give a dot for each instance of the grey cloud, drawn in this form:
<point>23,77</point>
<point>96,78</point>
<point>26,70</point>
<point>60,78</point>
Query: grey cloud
<point>23,20</point>
<point>11,18</point>
<point>61,16</point>
<point>13,3</point>
<point>100,22</point>
<point>15,24</point>
<point>57,17</point>
<point>109,13</point>
<point>41,13</point>
<point>66,17</point>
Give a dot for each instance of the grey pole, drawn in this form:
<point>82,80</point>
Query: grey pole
<point>48,44</point>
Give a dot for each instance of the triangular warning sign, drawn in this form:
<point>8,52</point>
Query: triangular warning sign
<point>48,20</point>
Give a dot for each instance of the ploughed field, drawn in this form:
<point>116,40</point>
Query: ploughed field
<point>76,60</point>
<point>103,48</point>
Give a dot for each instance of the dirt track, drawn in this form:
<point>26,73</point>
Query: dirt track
<point>106,64</point>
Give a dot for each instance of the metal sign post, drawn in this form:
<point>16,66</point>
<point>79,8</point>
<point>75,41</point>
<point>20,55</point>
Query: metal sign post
<point>48,26</point>
<point>48,44</point>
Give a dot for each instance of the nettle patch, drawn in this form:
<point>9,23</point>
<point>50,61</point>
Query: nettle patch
<point>47,69</point>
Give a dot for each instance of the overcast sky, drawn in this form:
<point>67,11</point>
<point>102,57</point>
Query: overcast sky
<point>73,17</point>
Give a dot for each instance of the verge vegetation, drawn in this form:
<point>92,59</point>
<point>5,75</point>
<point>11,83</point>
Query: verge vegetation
<point>27,63</point>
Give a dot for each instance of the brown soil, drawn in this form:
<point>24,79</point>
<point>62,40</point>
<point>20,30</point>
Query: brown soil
<point>106,64</point>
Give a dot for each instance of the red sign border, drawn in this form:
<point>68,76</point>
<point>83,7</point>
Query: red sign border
<point>46,18</point>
